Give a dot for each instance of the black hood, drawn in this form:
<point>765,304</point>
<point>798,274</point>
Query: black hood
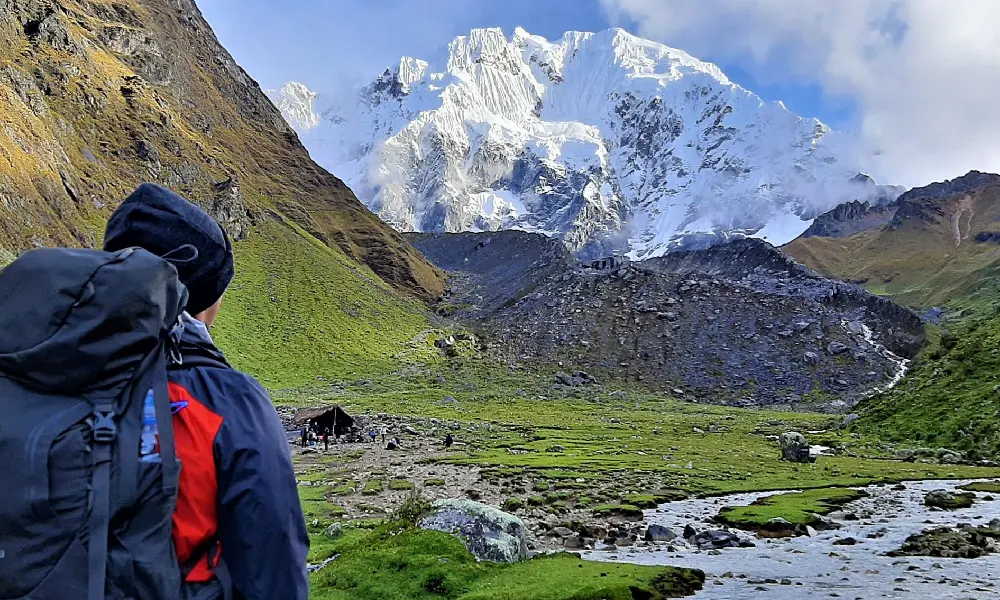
<point>73,321</point>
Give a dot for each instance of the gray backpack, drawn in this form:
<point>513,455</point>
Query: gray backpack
<point>88,472</point>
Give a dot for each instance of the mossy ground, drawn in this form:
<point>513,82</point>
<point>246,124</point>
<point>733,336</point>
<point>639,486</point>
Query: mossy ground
<point>986,487</point>
<point>798,508</point>
<point>646,442</point>
<point>400,563</point>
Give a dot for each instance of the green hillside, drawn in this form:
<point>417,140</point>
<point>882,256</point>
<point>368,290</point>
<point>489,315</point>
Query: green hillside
<point>299,309</point>
<point>951,398</point>
<point>940,250</point>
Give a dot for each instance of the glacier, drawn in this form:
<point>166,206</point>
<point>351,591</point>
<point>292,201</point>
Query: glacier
<point>612,143</point>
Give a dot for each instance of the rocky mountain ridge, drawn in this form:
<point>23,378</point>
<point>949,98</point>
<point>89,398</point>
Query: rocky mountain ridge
<point>937,247</point>
<point>101,95</point>
<point>608,141</point>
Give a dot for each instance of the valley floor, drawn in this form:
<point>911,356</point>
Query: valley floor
<point>589,459</point>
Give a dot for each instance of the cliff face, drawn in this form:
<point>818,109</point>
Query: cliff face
<point>100,95</point>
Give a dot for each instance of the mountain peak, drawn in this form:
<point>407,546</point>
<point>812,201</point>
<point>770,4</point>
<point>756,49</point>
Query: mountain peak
<point>605,140</point>
<point>296,103</point>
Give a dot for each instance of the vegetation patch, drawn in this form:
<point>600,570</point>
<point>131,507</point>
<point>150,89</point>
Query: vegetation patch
<point>434,482</point>
<point>513,504</point>
<point>986,487</point>
<point>641,500</point>
<point>795,509</point>
<point>396,562</point>
<point>373,487</point>
<point>620,510</point>
<point>400,485</point>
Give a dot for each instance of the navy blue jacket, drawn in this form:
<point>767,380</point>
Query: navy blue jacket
<point>237,498</point>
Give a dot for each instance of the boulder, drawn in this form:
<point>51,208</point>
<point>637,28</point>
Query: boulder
<point>963,542</point>
<point>811,358</point>
<point>851,418</point>
<point>659,533</point>
<point>795,448</point>
<point>716,540</point>
<point>837,348</point>
<point>948,501</point>
<point>488,532</point>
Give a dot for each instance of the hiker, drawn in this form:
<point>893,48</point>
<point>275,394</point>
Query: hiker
<point>305,437</point>
<point>326,440</point>
<point>392,445</point>
<point>238,515</point>
<point>110,384</point>
<point>383,430</point>
<point>372,434</point>
<point>448,440</point>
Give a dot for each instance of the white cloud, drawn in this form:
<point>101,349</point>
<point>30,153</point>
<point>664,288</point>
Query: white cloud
<point>925,73</point>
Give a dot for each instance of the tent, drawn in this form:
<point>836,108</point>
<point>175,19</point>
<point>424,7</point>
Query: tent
<point>322,418</point>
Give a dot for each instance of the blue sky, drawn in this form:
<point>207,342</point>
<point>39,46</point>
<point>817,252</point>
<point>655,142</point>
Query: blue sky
<point>326,44</point>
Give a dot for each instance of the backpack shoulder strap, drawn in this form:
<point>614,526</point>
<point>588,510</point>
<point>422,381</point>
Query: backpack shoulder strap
<point>152,374</point>
<point>104,433</point>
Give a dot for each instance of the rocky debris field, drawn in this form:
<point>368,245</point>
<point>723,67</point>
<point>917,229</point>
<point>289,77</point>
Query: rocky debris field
<point>740,324</point>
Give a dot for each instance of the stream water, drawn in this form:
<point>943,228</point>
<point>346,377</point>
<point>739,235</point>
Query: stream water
<point>815,567</point>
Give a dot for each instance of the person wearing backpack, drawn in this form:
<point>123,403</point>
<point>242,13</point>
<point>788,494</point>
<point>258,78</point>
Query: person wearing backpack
<point>238,522</point>
<point>135,463</point>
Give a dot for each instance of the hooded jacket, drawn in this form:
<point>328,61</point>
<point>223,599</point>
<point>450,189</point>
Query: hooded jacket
<point>237,497</point>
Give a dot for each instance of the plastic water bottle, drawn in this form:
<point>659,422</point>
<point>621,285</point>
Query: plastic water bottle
<point>149,447</point>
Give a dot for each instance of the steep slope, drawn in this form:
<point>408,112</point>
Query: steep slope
<point>939,249</point>
<point>99,95</point>
<point>489,272</point>
<point>606,140</point>
<point>939,246</point>
<point>739,323</point>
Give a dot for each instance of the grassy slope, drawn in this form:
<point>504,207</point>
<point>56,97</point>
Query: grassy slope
<point>950,397</point>
<point>918,264</point>
<point>299,309</point>
<point>391,563</point>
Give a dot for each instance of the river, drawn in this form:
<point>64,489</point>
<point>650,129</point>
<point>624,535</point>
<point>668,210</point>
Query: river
<point>818,569</point>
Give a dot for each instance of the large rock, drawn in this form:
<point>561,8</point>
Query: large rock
<point>948,501</point>
<point>716,540</point>
<point>659,533</point>
<point>963,542</point>
<point>488,532</point>
<point>795,448</point>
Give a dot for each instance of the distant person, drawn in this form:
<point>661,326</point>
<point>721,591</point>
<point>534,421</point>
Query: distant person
<point>392,445</point>
<point>383,430</point>
<point>305,437</point>
<point>448,440</point>
<point>326,439</point>
<point>238,522</point>
<point>372,434</point>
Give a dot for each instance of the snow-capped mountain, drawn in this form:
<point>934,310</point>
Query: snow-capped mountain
<point>297,105</point>
<point>606,140</point>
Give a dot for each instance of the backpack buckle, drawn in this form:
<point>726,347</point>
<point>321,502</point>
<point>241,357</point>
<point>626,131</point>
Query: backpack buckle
<point>105,429</point>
